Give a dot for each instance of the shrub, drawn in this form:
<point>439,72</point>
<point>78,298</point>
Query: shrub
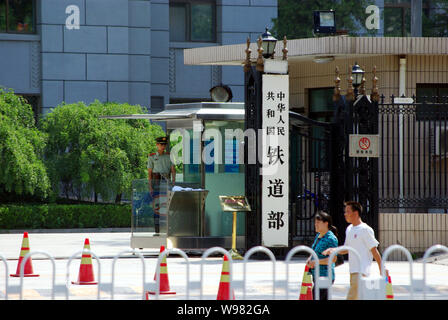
<point>65,216</point>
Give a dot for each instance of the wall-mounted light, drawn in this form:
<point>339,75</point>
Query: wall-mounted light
<point>324,21</point>
<point>323,59</point>
<point>221,94</point>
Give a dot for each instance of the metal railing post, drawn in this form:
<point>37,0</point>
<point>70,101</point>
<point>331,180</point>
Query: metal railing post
<point>246,258</point>
<point>290,254</point>
<point>386,254</point>
<point>6,275</point>
<point>428,252</point>
<point>159,260</point>
<point>22,270</point>
<point>67,277</point>
<point>229,257</point>
<point>113,271</point>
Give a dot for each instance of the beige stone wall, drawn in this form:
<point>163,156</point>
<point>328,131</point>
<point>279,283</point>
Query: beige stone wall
<point>420,69</point>
<point>415,231</point>
<point>309,75</point>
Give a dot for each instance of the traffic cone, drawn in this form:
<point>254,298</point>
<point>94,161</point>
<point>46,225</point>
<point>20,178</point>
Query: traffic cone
<point>224,282</point>
<point>389,292</point>
<point>28,269</point>
<point>86,276</point>
<point>306,292</point>
<point>164,283</point>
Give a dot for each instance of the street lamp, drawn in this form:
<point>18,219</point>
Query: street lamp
<point>268,44</point>
<point>358,75</point>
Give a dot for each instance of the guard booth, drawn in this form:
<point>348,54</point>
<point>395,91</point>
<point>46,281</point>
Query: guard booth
<point>207,165</point>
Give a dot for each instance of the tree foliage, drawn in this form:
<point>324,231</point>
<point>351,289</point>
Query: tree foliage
<point>86,154</point>
<point>295,18</point>
<point>22,171</point>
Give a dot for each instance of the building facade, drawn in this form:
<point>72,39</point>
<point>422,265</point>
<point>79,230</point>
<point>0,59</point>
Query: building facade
<point>55,51</point>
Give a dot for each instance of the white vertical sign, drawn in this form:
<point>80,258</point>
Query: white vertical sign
<point>275,159</point>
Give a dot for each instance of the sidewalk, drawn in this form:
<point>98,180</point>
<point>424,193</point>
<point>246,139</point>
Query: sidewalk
<point>106,245</point>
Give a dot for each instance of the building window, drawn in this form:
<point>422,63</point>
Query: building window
<point>35,102</point>
<point>432,92</point>
<point>17,16</point>
<point>432,99</point>
<point>397,18</point>
<point>435,18</point>
<point>192,21</point>
<point>321,104</point>
<point>321,108</point>
<point>157,104</point>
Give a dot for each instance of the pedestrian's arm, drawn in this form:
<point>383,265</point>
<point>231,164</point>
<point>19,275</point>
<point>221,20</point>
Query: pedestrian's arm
<point>330,250</point>
<point>377,257</point>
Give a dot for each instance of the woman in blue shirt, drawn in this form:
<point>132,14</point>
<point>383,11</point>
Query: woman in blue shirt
<point>326,237</point>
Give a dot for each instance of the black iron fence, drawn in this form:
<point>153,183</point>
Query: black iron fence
<point>413,154</point>
<point>310,171</point>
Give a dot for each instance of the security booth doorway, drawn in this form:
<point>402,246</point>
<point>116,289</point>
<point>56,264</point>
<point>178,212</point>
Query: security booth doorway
<point>204,146</point>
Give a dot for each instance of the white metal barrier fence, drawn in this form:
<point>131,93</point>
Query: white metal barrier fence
<point>370,288</point>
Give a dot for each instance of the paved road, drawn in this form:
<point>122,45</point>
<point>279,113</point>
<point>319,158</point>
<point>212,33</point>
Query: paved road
<point>128,273</point>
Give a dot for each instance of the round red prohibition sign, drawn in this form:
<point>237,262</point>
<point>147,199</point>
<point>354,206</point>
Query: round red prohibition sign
<point>364,143</point>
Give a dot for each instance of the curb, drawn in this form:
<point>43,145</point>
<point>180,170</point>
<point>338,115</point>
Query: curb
<point>80,230</point>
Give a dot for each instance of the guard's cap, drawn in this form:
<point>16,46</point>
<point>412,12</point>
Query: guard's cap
<point>162,140</point>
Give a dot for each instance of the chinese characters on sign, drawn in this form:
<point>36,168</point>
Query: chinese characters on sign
<point>364,145</point>
<point>275,180</point>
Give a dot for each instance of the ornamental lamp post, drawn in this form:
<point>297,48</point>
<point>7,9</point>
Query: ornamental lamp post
<point>268,44</point>
<point>358,75</point>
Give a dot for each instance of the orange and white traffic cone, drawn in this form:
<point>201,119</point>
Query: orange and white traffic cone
<point>86,275</point>
<point>224,282</point>
<point>164,283</point>
<point>389,292</point>
<point>306,292</point>
<point>28,268</point>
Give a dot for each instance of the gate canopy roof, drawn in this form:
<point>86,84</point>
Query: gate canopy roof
<point>311,48</point>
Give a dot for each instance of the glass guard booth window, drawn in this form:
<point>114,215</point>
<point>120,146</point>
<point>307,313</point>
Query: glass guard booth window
<point>220,170</point>
<point>321,109</point>
<point>17,16</point>
<point>192,21</point>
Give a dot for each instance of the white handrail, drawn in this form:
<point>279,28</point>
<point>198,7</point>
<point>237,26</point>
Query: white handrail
<point>133,251</point>
<point>159,260</point>
<point>290,254</point>
<point>246,258</point>
<point>22,270</point>
<point>229,257</point>
<point>428,252</point>
<point>386,254</point>
<point>67,277</point>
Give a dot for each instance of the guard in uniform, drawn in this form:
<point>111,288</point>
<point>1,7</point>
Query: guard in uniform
<point>160,168</point>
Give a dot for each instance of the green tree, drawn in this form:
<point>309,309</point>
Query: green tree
<point>435,19</point>
<point>87,154</point>
<point>295,18</point>
<point>22,171</point>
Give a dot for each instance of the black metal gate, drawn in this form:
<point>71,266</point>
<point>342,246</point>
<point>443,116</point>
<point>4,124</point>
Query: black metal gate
<point>310,170</point>
<point>323,174</point>
<point>414,147</point>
